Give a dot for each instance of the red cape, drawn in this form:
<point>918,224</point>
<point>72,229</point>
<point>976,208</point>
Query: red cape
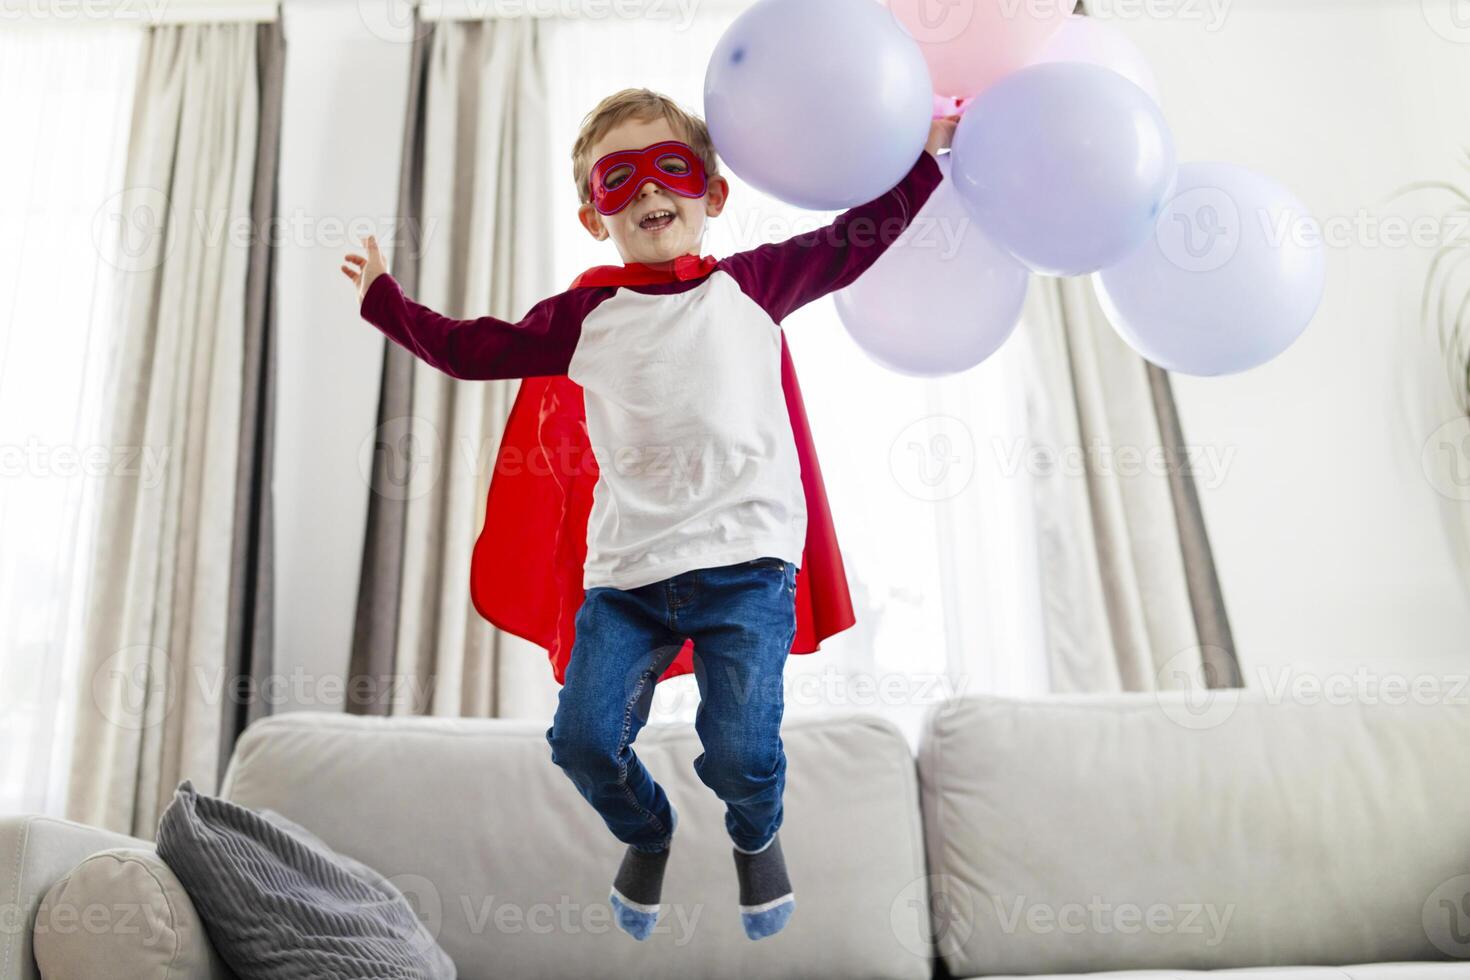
<point>526,570</point>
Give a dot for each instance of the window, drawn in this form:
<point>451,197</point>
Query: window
<point>68,97</point>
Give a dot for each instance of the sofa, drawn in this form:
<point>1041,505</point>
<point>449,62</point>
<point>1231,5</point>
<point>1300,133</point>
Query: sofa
<point>1138,836</point>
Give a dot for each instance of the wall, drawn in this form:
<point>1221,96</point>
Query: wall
<point>1326,532</point>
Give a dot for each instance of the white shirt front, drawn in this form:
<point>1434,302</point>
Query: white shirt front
<point>688,422</point>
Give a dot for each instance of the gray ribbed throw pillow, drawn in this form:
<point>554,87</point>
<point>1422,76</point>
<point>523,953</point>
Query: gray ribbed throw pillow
<point>279,904</point>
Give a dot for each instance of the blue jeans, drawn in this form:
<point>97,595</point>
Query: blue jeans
<point>742,619</point>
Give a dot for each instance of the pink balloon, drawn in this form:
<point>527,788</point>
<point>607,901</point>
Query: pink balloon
<point>1095,42</point>
<point>971,44</point>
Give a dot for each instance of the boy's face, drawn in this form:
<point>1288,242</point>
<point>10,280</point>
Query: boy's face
<point>639,232</point>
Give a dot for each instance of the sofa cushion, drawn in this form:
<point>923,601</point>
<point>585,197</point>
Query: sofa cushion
<point>511,868</point>
<point>1174,831</point>
<point>121,912</point>
<point>278,903</point>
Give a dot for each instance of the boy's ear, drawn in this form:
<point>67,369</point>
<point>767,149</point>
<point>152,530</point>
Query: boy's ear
<point>717,192</point>
<point>592,221</point>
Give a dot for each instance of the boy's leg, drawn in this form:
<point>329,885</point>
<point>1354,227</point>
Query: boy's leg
<point>622,647</point>
<point>742,619</point>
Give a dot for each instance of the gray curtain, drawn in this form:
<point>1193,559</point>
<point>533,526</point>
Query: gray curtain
<point>1130,596</point>
<point>175,580</point>
<point>250,636</point>
<point>473,199</point>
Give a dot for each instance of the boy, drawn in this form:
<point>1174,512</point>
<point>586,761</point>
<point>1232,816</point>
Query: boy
<point>699,514</point>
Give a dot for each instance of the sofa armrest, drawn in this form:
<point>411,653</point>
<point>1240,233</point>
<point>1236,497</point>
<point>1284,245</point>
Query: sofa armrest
<point>35,852</point>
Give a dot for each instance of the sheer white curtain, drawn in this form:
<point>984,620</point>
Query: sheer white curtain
<point>67,99</point>
<point>928,479</point>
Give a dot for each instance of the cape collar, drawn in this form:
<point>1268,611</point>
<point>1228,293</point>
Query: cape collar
<point>639,274</point>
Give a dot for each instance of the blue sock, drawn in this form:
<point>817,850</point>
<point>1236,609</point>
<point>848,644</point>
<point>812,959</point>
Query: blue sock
<point>766,899</point>
<point>636,889</point>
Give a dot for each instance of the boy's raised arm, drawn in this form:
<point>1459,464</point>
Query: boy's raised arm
<point>784,276</point>
<point>485,348</point>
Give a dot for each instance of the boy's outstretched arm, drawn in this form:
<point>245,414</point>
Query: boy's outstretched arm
<point>784,276</point>
<point>484,348</point>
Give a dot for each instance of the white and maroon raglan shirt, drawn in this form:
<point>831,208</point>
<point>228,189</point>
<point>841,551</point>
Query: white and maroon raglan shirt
<point>686,387</point>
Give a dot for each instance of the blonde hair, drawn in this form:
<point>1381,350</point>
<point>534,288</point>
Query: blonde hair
<point>641,104</point>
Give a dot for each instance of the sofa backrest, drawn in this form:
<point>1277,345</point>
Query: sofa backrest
<point>512,869</point>
<point>1172,831</point>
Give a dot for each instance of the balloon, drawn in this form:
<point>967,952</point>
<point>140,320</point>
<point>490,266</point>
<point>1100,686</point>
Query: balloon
<point>1232,276</point>
<point>972,44</point>
<point>941,298</point>
<point>824,104</point>
<point>1096,42</point>
<point>1065,165</point>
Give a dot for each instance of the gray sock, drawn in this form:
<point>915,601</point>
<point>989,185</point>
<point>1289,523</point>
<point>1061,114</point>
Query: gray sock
<point>636,891</point>
<point>766,899</point>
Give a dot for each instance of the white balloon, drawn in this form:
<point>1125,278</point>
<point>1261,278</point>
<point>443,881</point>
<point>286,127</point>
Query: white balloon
<point>941,298</point>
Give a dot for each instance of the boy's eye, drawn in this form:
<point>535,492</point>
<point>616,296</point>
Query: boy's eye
<point>617,175</point>
<point>673,165</point>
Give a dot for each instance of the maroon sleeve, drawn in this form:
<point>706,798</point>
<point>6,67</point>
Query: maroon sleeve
<point>784,276</point>
<point>540,343</point>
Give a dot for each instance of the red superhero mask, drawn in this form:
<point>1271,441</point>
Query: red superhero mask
<point>671,164</point>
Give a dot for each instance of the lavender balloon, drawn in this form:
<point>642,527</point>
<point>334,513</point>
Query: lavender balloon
<point>1232,276</point>
<point>824,104</point>
<point>941,298</point>
<point>1065,165</point>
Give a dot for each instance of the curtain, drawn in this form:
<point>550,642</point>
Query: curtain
<point>56,185</point>
<point>1129,594</point>
<point>249,636</point>
<point>474,240</point>
<point>159,617</point>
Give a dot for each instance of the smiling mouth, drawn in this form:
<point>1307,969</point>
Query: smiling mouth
<point>656,220</point>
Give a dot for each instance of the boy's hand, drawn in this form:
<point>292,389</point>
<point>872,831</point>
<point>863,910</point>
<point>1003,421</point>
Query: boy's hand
<point>362,271</point>
<point>941,133</point>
